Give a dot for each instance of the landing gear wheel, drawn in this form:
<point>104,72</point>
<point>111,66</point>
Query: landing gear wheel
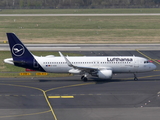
<point>85,79</point>
<point>82,77</point>
<point>135,77</point>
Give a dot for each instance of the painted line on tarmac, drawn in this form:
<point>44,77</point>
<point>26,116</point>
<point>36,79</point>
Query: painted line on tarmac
<point>147,57</point>
<point>49,104</point>
<point>156,70</point>
<point>141,77</point>
<point>77,85</point>
<point>25,114</point>
<point>46,97</point>
<point>60,96</point>
<point>44,93</point>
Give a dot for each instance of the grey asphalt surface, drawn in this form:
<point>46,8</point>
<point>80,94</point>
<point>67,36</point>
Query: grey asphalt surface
<point>86,47</point>
<point>123,14</point>
<point>118,99</point>
<point>115,99</point>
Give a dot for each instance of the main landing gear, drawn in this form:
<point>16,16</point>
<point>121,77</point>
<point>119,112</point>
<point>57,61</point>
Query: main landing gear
<point>135,77</point>
<point>84,78</point>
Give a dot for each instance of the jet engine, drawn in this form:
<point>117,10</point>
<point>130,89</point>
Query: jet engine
<point>74,71</point>
<point>105,74</point>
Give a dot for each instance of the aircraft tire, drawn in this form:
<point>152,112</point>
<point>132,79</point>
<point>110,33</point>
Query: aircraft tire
<point>82,77</point>
<point>135,79</point>
<point>85,79</point>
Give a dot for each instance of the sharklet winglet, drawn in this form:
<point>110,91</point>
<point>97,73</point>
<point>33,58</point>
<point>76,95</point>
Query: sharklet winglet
<point>67,61</point>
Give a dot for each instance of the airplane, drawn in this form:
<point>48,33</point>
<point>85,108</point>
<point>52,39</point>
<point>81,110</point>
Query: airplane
<point>103,67</point>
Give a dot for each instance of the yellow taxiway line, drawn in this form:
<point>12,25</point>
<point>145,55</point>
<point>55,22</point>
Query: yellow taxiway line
<point>147,57</point>
<point>44,93</point>
<point>25,114</point>
<point>46,97</point>
<point>60,96</point>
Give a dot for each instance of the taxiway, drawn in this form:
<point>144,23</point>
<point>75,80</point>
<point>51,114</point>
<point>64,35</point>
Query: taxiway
<point>70,98</point>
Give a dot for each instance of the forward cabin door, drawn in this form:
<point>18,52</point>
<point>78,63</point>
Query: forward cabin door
<point>136,64</point>
<point>96,63</point>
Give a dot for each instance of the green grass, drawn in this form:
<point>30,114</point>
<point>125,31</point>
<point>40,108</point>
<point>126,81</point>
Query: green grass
<point>128,29</point>
<point>8,70</point>
<point>127,22</point>
<point>78,11</point>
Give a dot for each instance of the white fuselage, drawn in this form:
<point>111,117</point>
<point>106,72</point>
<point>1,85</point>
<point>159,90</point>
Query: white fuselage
<point>118,64</point>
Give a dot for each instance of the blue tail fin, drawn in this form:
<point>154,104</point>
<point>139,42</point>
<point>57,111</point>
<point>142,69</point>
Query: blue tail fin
<point>18,50</point>
<point>22,57</point>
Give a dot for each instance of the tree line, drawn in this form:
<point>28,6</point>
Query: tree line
<point>60,4</point>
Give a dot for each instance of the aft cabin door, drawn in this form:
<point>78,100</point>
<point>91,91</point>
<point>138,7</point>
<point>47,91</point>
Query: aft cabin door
<point>35,64</point>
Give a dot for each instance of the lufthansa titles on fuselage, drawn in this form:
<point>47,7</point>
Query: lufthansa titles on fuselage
<point>119,59</point>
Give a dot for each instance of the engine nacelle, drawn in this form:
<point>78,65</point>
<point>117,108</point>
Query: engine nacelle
<point>74,71</point>
<point>105,74</point>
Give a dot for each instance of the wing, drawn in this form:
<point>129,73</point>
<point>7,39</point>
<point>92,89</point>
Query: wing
<point>83,69</point>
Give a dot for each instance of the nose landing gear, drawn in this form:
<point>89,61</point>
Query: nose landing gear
<point>135,77</point>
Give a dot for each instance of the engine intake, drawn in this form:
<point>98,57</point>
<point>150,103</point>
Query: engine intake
<point>105,74</point>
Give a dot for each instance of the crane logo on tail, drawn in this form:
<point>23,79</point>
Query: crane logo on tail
<point>18,50</point>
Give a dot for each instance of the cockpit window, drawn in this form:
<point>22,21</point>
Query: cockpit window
<point>146,61</point>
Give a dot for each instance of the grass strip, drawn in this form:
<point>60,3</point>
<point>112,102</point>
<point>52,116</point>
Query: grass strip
<point>127,29</point>
<point>79,11</point>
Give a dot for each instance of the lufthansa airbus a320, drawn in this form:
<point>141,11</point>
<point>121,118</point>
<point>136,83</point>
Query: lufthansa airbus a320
<point>102,67</point>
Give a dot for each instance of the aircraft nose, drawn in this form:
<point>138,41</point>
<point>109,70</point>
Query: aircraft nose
<point>153,66</point>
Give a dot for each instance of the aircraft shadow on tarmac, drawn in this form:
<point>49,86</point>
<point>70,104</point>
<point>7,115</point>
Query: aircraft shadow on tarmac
<point>97,80</point>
